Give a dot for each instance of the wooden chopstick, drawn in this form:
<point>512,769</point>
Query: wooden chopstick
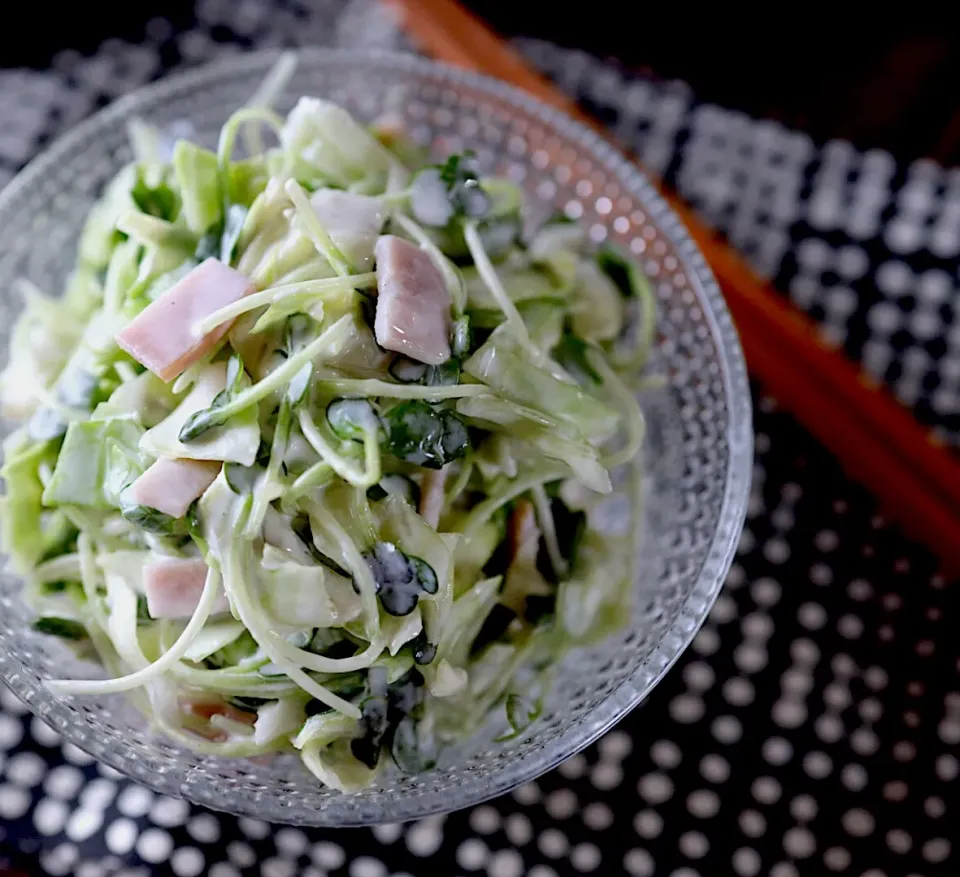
<point>877,440</point>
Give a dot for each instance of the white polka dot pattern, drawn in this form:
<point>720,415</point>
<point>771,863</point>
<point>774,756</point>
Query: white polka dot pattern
<point>870,250</point>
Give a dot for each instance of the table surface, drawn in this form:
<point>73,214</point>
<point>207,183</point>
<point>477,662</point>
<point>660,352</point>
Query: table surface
<point>813,726</point>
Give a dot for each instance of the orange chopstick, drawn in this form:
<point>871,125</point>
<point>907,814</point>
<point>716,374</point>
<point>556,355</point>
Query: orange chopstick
<point>876,439</point>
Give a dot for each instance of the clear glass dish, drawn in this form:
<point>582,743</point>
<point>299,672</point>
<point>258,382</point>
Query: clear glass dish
<point>699,443</point>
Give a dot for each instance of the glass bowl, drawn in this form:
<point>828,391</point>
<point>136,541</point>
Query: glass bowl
<point>698,451</point>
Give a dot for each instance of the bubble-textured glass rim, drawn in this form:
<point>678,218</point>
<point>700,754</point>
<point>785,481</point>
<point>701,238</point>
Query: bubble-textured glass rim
<point>471,788</point>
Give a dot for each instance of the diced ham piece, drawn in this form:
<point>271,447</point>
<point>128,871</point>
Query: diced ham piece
<point>162,337</point>
<point>413,304</point>
<point>173,587</point>
<point>524,534</point>
<point>522,579</point>
<point>389,128</point>
<point>205,710</point>
<point>352,221</point>
<point>170,486</point>
<point>431,495</point>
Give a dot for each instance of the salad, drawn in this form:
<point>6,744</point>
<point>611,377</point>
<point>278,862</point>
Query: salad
<point>313,442</point>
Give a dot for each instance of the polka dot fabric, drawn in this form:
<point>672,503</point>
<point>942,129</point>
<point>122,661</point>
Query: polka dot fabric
<point>869,249</point>
<point>813,726</point>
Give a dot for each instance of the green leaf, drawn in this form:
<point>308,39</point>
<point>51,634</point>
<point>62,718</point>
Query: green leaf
<point>122,273</point>
<point>59,535</point>
<point>297,332</point>
<point>425,576</point>
<point>245,646</point>
<point>423,650</point>
<point>521,284</point>
<point>45,425</point>
<point>537,435</point>
<point>309,595</point>
<point>594,602</point>
<point>462,337</point>
<point>201,421</point>
<point>238,441</point>
<point>233,225</point>
<point>22,511</point>
<point>208,247</point>
<point>299,386</point>
<point>220,240</point>
<point>454,438</point>
<point>396,485</point>
<point>195,527</point>
<point>242,479</point>
<point>158,200</point>
<point>65,628</point>
<point>521,713</point>
<point>400,579</point>
<point>621,269</point>
<point>574,355</point>
<point>246,179</point>
<point>82,466</point>
<point>197,175</point>
<point>558,217</point>
<point>207,418</point>
<point>442,197</point>
<point>159,234</point>
<point>459,176</point>
<point>505,365</point>
<point>123,464</point>
<point>322,142</point>
<point>352,419</point>
<point>235,373</point>
<point>420,434</point>
<point>447,374</point>
<point>99,236</point>
<point>409,371</point>
<point>543,317</point>
<point>301,528</point>
<point>442,192</point>
<point>570,526</point>
<point>597,308</point>
<point>146,518</point>
<point>143,611</point>
<point>398,522</point>
<point>160,269</point>
<point>499,235</point>
<point>413,749</point>
<point>76,388</point>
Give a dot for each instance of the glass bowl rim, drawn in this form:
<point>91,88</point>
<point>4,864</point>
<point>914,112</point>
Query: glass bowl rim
<point>710,577</point>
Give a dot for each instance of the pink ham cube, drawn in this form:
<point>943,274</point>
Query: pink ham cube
<point>173,587</point>
<point>163,336</point>
<point>413,304</point>
<point>170,486</point>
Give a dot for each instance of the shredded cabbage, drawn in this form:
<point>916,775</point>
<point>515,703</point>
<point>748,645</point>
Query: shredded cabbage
<point>390,550</point>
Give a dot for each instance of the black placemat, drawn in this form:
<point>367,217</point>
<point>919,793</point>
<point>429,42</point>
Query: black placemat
<point>869,248</point>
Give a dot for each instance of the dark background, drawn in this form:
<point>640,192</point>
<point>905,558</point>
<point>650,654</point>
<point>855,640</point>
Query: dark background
<point>892,84</point>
